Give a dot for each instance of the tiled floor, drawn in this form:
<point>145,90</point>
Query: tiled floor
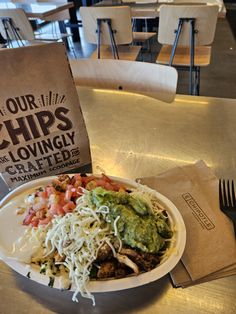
<point>219,78</point>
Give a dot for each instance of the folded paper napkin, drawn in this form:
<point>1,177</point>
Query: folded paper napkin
<point>210,251</point>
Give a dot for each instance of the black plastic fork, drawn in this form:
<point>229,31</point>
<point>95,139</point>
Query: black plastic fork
<point>227,200</point>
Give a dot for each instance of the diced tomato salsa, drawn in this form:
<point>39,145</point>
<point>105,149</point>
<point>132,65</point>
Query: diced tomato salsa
<point>59,197</point>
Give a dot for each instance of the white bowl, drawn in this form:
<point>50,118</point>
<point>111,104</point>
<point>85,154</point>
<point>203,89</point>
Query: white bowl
<point>11,228</point>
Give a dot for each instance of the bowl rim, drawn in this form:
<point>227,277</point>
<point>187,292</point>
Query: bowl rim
<point>112,284</point>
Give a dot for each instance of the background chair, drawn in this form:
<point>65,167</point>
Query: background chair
<point>141,36</point>
<point>110,29</point>
<point>186,31</point>
<point>15,26</point>
<point>143,18</point>
<point>59,17</point>
<point>157,81</point>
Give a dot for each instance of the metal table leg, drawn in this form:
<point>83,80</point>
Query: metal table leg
<point>74,20</point>
<point>62,28</point>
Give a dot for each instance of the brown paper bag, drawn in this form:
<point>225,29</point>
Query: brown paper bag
<point>210,244</point>
<point>42,131</point>
<point>181,278</point>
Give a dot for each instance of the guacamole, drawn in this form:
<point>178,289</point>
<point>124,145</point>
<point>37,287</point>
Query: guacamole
<point>137,226</point>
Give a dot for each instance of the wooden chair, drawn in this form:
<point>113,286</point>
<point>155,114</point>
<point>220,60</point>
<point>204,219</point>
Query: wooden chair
<point>142,36</point>
<point>15,26</point>
<point>110,29</point>
<point>157,81</point>
<point>186,31</point>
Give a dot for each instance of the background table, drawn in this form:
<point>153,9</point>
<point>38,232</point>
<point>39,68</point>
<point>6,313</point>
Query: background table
<point>133,136</point>
<point>41,10</point>
<point>38,10</point>
<point>151,10</point>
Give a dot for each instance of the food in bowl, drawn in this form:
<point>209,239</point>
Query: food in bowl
<point>86,228</point>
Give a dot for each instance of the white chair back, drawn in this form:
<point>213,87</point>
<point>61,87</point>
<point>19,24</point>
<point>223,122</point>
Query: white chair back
<point>157,81</point>
<point>205,23</point>
<point>120,19</point>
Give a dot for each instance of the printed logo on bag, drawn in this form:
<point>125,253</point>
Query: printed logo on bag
<point>198,212</point>
<point>35,118</point>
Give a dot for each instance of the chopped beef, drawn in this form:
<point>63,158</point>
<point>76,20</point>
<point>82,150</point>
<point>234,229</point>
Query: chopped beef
<point>112,269</point>
<point>104,253</point>
<point>107,269</point>
<point>121,271</point>
<point>145,261</point>
<point>149,261</point>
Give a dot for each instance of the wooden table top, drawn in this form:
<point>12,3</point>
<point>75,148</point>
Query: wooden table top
<point>37,9</point>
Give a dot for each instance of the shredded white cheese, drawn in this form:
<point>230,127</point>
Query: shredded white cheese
<point>115,225</point>
<point>78,236</point>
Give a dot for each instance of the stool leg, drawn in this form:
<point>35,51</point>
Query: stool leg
<point>113,41</point>
<point>62,28</point>
<point>195,80</point>
<point>178,31</point>
<point>99,37</point>
<point>191,86</point>
<point>198,81</point>
<point>192,44</point>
